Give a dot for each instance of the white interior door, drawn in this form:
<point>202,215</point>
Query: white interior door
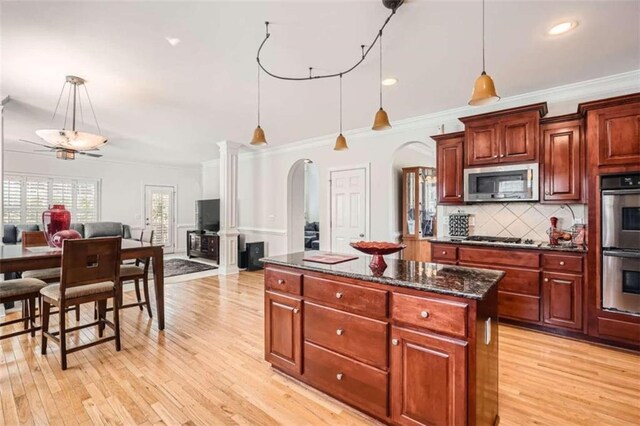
<point>159,215</point>
<point>348,208</point>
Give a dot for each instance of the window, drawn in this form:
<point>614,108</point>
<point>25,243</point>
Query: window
<point>27,196</point>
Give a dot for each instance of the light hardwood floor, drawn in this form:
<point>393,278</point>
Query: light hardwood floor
<point>208,368</point>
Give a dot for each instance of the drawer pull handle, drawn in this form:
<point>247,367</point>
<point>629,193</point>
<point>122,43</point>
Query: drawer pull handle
<point>546,280</point>
<point>562,281</point>
<point>339,332</point>
<point>339,295</point>
<point>394,342</point>
<point>296,310</point>
<point>562,263</point>
<point>339,376</point>
<point>444,252</point>
<point>424,314</point>
<point>281,281</point>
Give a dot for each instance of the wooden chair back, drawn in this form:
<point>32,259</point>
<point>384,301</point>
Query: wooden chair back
<point>90,261</point>
<point>34,239</point>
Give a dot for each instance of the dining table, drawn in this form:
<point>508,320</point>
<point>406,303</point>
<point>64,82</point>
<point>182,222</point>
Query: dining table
<point>15,258</point>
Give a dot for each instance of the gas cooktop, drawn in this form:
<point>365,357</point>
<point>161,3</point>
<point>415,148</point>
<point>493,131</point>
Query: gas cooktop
<point>500,240</point>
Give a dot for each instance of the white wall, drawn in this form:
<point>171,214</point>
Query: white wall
<point>262,198</point>
<point>122,185</point>
<point>211,180</point>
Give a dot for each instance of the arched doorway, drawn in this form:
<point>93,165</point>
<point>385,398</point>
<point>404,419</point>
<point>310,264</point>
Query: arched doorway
<point>303,209</point>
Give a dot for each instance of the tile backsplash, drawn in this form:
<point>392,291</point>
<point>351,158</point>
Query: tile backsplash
<point>523,220</point>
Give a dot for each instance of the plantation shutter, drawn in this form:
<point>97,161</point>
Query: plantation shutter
<point>86,202</point>
<point>36,199</point>
<point>12,199</point>
<point>62,193</point>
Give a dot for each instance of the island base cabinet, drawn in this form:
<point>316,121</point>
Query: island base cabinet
<point>428,379</point>
<point>283,332</point>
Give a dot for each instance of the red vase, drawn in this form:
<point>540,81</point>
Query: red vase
<point>54,220</point>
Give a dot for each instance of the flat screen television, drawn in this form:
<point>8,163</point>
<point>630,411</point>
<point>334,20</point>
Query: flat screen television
<point>208,215</point>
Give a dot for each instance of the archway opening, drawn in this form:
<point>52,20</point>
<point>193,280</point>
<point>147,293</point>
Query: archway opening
<point>303,197</point>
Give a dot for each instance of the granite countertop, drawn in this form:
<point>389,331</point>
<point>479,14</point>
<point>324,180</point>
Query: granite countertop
<point>470,283</point>
<point>541,246</point>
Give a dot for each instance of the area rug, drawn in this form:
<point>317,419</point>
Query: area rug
<point>174,267</point>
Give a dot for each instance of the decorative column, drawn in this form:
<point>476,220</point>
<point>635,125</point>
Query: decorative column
<point>228,263</point>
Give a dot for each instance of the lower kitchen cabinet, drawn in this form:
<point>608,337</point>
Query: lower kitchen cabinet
<point>562,300</point>
<point>283,331</point>
<point>428,373</point>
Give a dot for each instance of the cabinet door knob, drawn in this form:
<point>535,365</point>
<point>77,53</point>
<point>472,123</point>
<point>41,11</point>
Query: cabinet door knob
<point>495,156</point>
<point>546,280</point>
<point>394,342</point>
<point>339,295</point>
<point>444,252</point>
<point>339,332</point>
<point>562,263</point>
<point>296,310</point>
<point>339,376</point>
<point>424,314</point>
<point>501,155</point>
<point>281,281</point>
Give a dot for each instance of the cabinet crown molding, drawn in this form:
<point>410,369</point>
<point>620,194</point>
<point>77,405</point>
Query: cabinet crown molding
<point>540,107</point>
<point>584,107</point>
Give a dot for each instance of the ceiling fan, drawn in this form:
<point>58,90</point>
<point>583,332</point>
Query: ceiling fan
<point>63,153</point>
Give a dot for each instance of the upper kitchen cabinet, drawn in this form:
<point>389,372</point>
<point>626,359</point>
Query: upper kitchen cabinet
<point>562,159</point>
<point>503,137</point>
<point>449,179</point>
<point>614,125</point>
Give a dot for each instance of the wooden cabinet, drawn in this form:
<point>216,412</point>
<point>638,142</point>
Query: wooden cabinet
<point>503,137</point>
<point>562,160</point>
<point>540,287</point>
<point>618,130</point>
<point>203,245</point>
<point>402,355</point>
<point>449,163</point>
<point>283,332</point>
<point>427,373</point>
<point>562,300</point>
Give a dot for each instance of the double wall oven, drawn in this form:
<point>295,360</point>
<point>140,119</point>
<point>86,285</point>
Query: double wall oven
<point>621,243</point>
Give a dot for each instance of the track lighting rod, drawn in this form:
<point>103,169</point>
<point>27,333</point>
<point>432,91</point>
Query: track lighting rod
<point>393,5</point>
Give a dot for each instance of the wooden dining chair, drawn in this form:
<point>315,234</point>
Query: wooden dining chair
<point>90,273</point>
<point>25,290</point>
<point>48,275</point>
<point>139,272</point>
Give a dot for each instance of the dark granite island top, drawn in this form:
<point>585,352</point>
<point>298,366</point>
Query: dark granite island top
<point>470,283</point>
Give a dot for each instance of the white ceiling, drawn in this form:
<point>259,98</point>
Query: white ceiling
<point>172,104</point>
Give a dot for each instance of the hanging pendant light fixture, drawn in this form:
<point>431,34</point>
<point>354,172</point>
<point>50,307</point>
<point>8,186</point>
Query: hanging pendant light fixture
<point>341,141</point>
<point>73,139</point>
<point>484,90</point>
<point>258,133</point>
<point>381,120</point>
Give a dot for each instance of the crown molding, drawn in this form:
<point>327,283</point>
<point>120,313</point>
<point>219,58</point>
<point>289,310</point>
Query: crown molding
<point>624,82</point>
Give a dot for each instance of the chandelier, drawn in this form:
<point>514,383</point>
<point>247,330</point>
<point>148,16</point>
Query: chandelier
<point>73,139</point>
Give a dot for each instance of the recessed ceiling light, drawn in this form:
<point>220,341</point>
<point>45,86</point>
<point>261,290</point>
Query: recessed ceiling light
<point>173,41</point>
<point>562,28</point>
<point>390,81</point>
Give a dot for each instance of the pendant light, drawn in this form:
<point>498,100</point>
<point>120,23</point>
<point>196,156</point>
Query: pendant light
<point>341,141</point>
<point>258,133</point>
<point>381,120</point>
<point>73,139</point>
<point>484,90</point>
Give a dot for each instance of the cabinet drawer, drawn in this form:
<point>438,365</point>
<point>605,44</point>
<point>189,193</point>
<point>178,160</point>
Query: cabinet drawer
<point>357,384</point>
<point>520,281</point>
<point>358,337</point>
<point>351,298</point>
<point>519,307</point>
<point>562,262</point>
<point>433,314</point>
<point>492,257</point>
<point>283,281</point>
<point>444,252</point>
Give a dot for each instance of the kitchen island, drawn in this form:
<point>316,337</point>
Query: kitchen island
<point>414,344</point>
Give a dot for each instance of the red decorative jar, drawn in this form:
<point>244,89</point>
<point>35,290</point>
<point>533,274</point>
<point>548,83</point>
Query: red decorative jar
<point>68,234</point>
<point>54,220</point>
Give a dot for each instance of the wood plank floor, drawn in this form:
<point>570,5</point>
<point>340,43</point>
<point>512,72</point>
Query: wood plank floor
<point>208,368</point>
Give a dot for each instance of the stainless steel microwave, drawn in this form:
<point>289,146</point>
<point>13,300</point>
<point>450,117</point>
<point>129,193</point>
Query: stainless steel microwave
<point>502,183</point>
